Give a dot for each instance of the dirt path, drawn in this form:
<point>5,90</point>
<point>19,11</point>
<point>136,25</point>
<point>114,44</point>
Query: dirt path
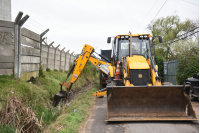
<point>97,124</point>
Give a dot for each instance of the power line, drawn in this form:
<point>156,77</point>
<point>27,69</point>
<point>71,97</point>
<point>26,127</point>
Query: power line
<point>147,15</point>
<point>156,14</point>
<point>181,34</point>
<point>182,37</point>
<point>173,7</point>
<point>191,3</point>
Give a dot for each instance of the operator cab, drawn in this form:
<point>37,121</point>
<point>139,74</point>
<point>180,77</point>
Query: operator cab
<point>140,46</point>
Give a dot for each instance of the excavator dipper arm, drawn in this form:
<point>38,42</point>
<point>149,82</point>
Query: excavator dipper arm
<point>77,69</point>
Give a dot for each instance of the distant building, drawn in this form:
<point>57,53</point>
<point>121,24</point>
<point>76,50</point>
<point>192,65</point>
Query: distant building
<point>5,10</point>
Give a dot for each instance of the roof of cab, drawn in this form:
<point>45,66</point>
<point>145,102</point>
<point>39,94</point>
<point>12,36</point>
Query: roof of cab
<point>132,34</point>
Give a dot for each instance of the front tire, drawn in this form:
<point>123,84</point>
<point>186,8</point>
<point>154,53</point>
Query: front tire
<point>192,98</point>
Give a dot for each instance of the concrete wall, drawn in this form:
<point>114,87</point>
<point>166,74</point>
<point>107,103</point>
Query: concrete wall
<point>5,10</point>
<point>23,54</point>
<point>30,54</point>
<point>53,58</point>
<point>6,47</point>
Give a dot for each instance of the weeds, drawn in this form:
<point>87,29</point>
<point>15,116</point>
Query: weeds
<point>41,72</point>
<point>50,113</point>
<point>74,116</point>
<point>21,117</point>
<point>7,129</point>
<point>39,93</point>
<point>48,69</point>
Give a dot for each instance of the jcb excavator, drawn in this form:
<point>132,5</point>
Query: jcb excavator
<point>134,90</point>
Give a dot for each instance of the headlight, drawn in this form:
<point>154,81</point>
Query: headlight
<point>141,36</point>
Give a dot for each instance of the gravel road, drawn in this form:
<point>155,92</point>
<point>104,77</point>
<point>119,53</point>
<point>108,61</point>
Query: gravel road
<point>97,124</point>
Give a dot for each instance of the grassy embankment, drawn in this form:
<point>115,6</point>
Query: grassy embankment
<point>39,94</point>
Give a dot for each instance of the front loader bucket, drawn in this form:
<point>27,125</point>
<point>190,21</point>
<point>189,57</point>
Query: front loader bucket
<point>149,103</point>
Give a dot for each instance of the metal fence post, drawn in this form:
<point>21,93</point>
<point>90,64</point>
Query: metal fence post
<point>167,71</point>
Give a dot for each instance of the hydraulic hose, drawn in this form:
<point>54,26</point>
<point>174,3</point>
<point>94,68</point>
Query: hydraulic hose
<point>70,72</point>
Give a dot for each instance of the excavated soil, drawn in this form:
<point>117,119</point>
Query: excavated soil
<point>73,93</point>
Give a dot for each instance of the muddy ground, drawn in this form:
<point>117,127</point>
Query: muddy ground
<point>97,124</point>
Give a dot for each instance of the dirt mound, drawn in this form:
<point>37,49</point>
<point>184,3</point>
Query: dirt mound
<point>16,113</point>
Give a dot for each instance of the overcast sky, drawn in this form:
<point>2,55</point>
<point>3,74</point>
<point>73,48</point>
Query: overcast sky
<point>73,23</point>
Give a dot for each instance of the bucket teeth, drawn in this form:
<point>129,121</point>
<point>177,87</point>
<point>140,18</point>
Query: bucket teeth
<point>58,97</point>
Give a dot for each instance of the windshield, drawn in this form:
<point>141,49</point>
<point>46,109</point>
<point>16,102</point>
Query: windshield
<point>139,47</point>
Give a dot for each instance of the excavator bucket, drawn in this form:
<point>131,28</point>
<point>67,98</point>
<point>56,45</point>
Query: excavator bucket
<point>149,103</point>
<point>58,97</point>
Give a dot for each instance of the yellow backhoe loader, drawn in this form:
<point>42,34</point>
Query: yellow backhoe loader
<point>134,90</point>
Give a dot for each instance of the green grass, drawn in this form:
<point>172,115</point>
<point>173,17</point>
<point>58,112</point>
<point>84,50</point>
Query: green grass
<point>71,121</point>
<point>39,95</point>
<point>6,129</point>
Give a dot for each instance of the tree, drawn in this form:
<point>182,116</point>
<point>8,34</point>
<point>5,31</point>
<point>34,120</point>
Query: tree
<point>170,28</point>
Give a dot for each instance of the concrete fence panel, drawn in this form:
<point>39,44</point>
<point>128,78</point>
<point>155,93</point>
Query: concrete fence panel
<point>6,47</point>
<point>22,52</point>
<point>30,54</point>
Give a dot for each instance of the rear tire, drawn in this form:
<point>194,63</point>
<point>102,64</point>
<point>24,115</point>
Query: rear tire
<point>111,82</point>
<point>101,81</point>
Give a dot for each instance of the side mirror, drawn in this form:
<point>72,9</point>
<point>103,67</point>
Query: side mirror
<point>109,40</point>
<point>160,39</point>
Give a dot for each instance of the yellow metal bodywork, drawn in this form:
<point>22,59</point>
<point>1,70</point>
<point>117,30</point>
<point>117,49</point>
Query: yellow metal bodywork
<point>137,62</point>
<point>111,71</point>
<point>98,62</point>
<point>99,94</point>
<point>140,62</point>
<point>80,64</point>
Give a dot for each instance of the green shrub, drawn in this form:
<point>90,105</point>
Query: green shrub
<point>61,70</point>
<point>187,66</point>
<point>41,72</point>
<point>66,71</point>
<point>159,61</point>
<point>55,70</point>
<point>48,69</point>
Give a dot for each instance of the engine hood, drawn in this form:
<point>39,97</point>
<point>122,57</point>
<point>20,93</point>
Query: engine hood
<point>137,62</point>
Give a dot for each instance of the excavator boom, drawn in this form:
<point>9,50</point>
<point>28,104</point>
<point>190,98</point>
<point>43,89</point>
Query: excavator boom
<point>78,67</point>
